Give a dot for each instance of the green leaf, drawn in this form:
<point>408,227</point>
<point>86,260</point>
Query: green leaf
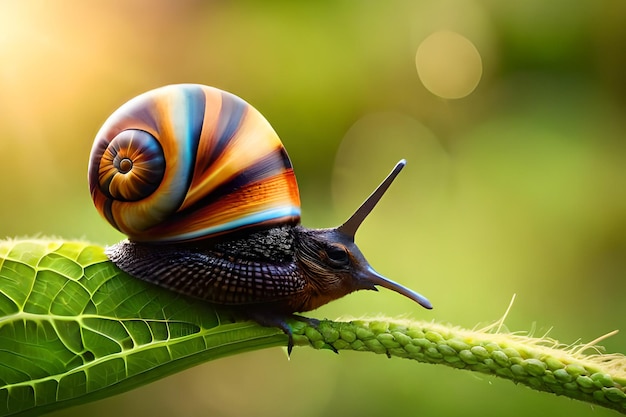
<point>74,328</point>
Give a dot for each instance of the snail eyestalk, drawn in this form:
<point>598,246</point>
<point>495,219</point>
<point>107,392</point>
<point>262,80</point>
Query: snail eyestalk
<point>366,276</point>
<point>351,225</point>
<point>374,278</point>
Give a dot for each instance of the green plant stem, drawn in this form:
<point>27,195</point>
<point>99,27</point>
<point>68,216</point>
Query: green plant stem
<point>541,364</point>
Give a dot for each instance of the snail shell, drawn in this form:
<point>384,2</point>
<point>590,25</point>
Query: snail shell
<point>188,162</point>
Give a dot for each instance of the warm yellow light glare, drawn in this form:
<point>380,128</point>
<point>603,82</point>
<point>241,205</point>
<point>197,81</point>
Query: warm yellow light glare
<point>448,64</point>
<point>49,57</point>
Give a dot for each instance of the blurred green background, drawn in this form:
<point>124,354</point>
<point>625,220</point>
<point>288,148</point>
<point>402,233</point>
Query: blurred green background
<point>512,118</point>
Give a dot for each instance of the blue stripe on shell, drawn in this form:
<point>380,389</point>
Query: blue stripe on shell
<point>258,218</point>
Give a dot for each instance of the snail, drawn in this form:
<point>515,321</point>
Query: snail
<point>203,188</point>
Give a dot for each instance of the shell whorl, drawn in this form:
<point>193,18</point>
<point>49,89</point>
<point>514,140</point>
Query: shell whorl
<point>187,162</point>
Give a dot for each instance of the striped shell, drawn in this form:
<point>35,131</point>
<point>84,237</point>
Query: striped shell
<point>188,162</point>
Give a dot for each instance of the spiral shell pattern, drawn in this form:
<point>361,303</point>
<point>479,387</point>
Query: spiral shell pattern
<point>188,162</point>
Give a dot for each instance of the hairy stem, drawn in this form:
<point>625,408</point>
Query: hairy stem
<point>541,364</point>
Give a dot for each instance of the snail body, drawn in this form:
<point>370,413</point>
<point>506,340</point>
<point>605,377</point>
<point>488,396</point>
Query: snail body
<point>204,189</point>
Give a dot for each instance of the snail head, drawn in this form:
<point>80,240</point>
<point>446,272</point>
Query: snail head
<point>335,264</point>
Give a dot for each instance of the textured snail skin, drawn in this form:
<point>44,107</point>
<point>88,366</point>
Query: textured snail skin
<point>221,273</point>
<point>202,186</point>
<point>283,270</point>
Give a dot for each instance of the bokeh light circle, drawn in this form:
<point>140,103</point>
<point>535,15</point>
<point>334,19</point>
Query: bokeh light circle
<point>449,65</point>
